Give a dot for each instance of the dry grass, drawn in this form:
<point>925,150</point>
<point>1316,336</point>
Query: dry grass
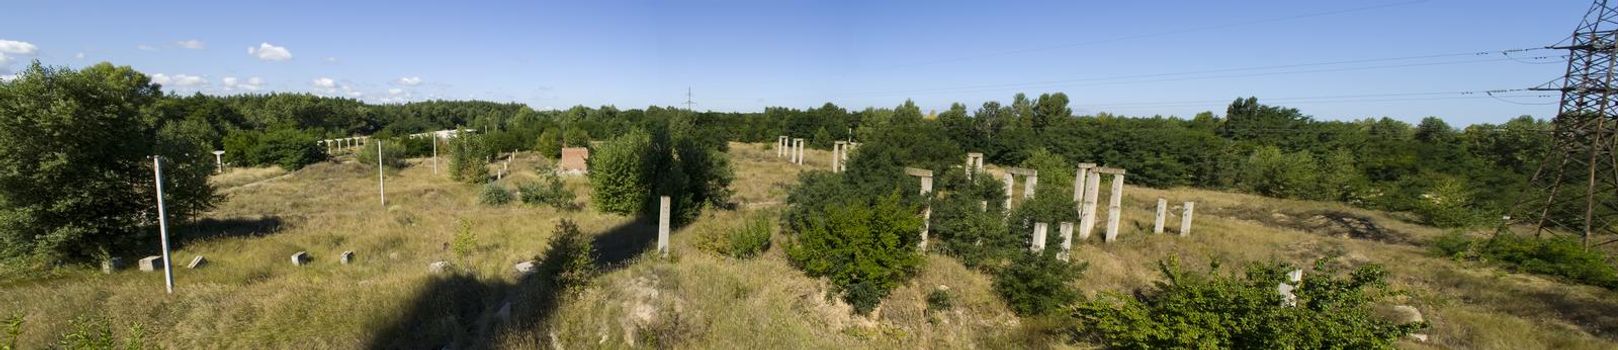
<point>250,296</point>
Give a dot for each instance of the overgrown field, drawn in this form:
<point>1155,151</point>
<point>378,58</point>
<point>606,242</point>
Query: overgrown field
<point>249,295</point>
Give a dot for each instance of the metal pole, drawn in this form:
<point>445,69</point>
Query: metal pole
<point>381,193</point>
<point>163,225</point>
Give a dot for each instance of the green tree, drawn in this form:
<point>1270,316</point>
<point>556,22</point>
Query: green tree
<point>865,249</point>
<point>468,160</point>
<point>621,174</point>
<point>1273,173</point>
<point>549,144</point>
<point>75,172</point>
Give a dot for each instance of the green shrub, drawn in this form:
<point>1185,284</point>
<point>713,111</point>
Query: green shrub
<point>1211,310</point>
<point>549,144</point>
<point>1562,257</point>
<point>621,174</point>
<point>548,191</point>
<point>1038,284</point>
<point>741,240</point>
<point>495,195</point>
<point>284,146</point>
<point>866,249</point>
<point>466,241</point>
<point>95,332</point>
<point>11,331</point>
<point>393,154</point>
<point>468,158</point>
<point>940,300</point>
<point>569,259</point>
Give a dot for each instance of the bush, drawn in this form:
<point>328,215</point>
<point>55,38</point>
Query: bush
<point>393,154</point>
<point>569,259</point>
<point>1562,257</point>
<point>466,241</point>
<point>621,174</point>
<point>75,166</point>
<point>1208,310</point>
<point>866,249</point>
<point>742,240</point>
<point>549,144</point>
<point>1038,284</point>
<point>468,160</point>
<point>495,195</point>
<point>284,146</point>
<point>549,191</point>
<point>940,300</point>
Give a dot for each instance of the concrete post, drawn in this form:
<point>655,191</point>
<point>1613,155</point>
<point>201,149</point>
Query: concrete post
<point>1011,184</point>
<point>1078,181</point>
<point>1087,221</point>
<point>1185,219</point>
<point>1039,237</point>
<point>780,146</point>
<point>1114,205</point>
<point>1028,186</point>
<point>1066,230</point>
<point>218,160</point>
<point>797,147</point>
<point>1162,213</point>
<point>837,149</point>
<point>663,226</point>
<point>926,213</point>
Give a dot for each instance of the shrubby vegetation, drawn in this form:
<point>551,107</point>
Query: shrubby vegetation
<point>743,239</point>
<point>468,159</point>
<point>393,154</point>
<point>548,191</point>
<point>630,172</point>
<point>75,169</point>
<point>1562,257</point>
<point>1208,310</point>
<point>495,195</point>
<point>1038,284</point>
<point>865,248</point>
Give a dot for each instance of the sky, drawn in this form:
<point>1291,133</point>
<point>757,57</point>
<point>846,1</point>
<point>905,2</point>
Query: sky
<point>1406,59</point>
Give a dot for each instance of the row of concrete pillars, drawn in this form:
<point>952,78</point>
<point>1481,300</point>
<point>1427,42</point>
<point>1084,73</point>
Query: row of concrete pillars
<point>793,150</point>
<point>343,143</point>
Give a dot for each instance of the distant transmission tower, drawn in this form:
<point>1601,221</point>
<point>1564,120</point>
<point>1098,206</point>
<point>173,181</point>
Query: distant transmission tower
<point>1575,189</point>
<point>688,102</point>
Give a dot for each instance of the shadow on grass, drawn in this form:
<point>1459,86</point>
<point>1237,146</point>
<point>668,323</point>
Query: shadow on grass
<point>463,311</point>
<point>206,229</point>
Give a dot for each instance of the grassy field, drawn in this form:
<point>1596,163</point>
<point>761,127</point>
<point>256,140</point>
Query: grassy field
<point>249,295</point>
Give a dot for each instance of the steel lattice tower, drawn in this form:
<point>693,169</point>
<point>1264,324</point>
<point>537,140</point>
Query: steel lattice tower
<point>1575,189</point>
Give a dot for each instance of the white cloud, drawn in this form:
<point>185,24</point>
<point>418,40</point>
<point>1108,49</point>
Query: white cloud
<point>79,55</point>
<point>9,77</point>
<point>144,47</point>
<point>331,59</point>
<point>395,91</point>
<point>410,81</point>
<point>233,83</point>
<point>325,83</point>
<point>4,61</point>
<point>193,44</point>
<point>355,94</point>
<point>17,47</point>
<point>179,80</point>
<point>268,52</point>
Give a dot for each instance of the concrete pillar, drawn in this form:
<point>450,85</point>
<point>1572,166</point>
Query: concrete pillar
<point>1039,237</point>
<point>1114,205</point>
<point>663,226</point>
<point>1011,184</point>
<point>927,212</point>
<point>780,146</point>
<point>1162,213</point>
<point>797,147</point>
<point>1066,230</point>
<point>1185,219</point>
<point>1087,219</point>
<point>218,160</point>
<point>837,149</point>
<point>1028,186</point>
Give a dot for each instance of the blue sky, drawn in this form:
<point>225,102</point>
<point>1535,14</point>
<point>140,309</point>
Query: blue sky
<point>1124,57</point>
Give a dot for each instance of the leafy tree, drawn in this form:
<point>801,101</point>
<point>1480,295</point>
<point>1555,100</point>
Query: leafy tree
<point>468,159</point>
<point>75,172</point>
<point>549,144</point>
<point>1273,173</point>
<point>865,248</point>
<point>1038,284</point>
<point>621,174</point>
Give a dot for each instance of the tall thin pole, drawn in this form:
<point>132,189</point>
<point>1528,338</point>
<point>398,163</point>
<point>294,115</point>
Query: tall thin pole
<point>163,224</point>
<point>435,153</point>
<point>381,193</point>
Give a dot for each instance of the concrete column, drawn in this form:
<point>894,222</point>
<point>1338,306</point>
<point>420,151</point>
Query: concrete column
<point>1011,184</point>
<point>780,146</point>
<point>1087,219</point>
<point>798,147</point>
<point>1162,213</point>
<point>1028,186</point>
<point>1114,205</point>
<point>1185,219</point>
<point>1039,237</point>
<point>663,226</point>
<point>837,149</point>
<point>927,212</point>
<point>1066,230</point>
